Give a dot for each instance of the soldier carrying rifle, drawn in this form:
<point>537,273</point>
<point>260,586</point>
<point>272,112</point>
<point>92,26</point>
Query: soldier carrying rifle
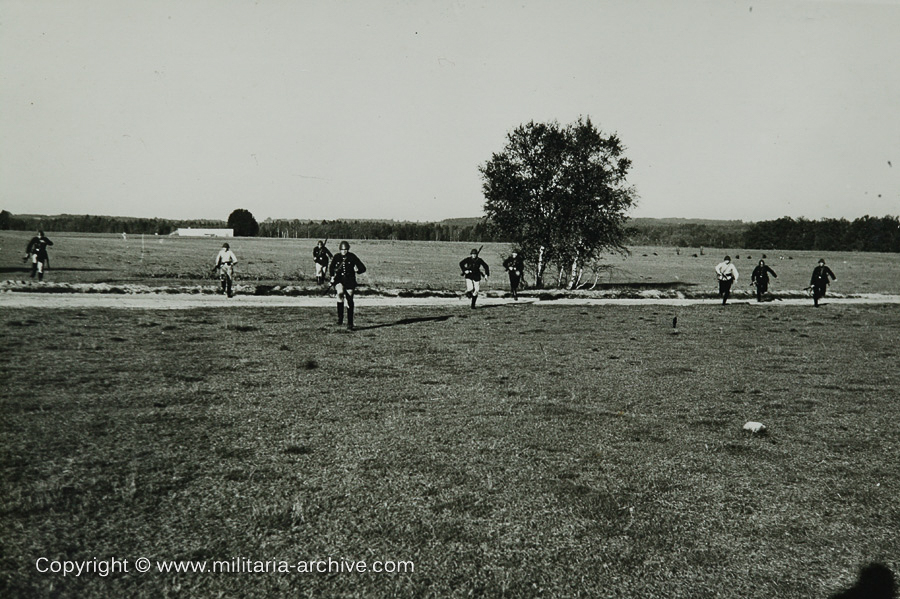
<point>225,262</point>
<point>321,256</point>
<point>727,275</point>
<point>344,268</point>
<point>514,265</point>
<point>36,251</point>
<point>471,270</point>
<point>760,278</point>
<point>819,281</point>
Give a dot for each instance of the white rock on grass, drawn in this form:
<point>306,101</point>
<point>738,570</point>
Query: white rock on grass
<point>755,427</point>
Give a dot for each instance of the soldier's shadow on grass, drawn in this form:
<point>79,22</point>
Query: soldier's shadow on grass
<point>27,269</point>
<point>404,321</point>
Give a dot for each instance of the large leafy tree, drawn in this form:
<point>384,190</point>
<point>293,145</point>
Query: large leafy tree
<point>560,193</point>
<point>243,223</point>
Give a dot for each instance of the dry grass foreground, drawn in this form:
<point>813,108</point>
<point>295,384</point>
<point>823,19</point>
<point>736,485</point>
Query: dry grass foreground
<point>511,451</point>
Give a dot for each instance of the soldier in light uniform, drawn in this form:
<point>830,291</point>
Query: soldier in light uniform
<point>727,275</point>
<point>225,262</point>
<point>344,268</point>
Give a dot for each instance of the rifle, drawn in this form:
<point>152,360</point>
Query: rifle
<point>330,286</point>
<point>218,266</point>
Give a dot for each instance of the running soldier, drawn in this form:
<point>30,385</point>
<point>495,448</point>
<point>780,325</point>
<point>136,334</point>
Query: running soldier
<point>515,266</point>
<point>819,281</point>
<point>321,256</point>
<point>344,268</point>
<point>760,278</point>
<point>727,275</point>
<point>225,262</point>
<point>471,270</point>
<point>36,251</point>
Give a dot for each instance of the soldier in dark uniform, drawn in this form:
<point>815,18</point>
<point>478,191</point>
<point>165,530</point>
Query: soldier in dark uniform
<point>760,278</point>
<point>471,270</point>
<point>36,251</point>
<point>514,265</point>
<point>819,281</point>
<point>321,256</point>
<point>344,268</point>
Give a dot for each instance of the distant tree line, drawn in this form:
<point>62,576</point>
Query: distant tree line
<point>866,234</point>
<point>373,229</point>
<point>688,234</point>
<point>76,223</point>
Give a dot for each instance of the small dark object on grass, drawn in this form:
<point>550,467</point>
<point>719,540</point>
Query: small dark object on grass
<point>159,404</point>
<point>309,364</point>
<point>298,450</point>
<point>675,323</point>
<point>21,323</point>
<point>284,347</point>
<point>875,581</point>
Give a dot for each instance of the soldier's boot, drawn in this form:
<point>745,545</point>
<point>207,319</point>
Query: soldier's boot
<point>350,317</point>
<point>474,297</point>
<point>340,309</point>
<point>40,276</point>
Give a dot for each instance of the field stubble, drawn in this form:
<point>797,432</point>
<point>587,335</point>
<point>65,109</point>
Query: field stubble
<point>509,451</point>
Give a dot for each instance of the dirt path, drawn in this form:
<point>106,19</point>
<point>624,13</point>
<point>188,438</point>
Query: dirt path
<point>153,301</point>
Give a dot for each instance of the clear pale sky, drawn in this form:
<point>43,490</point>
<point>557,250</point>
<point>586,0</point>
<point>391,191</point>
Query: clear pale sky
<point>385,109</point>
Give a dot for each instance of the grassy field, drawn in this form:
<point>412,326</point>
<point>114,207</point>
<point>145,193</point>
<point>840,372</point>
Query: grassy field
<point>512,451</point>
<point>87,258</point>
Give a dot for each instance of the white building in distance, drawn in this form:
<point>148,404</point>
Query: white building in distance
<point>189,232</point>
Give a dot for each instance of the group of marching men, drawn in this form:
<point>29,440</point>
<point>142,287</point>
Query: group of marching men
<point>343,268</point>
<point>727,274</point>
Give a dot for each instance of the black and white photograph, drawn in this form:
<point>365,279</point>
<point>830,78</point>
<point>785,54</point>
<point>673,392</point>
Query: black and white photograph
<point>449,299</point>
